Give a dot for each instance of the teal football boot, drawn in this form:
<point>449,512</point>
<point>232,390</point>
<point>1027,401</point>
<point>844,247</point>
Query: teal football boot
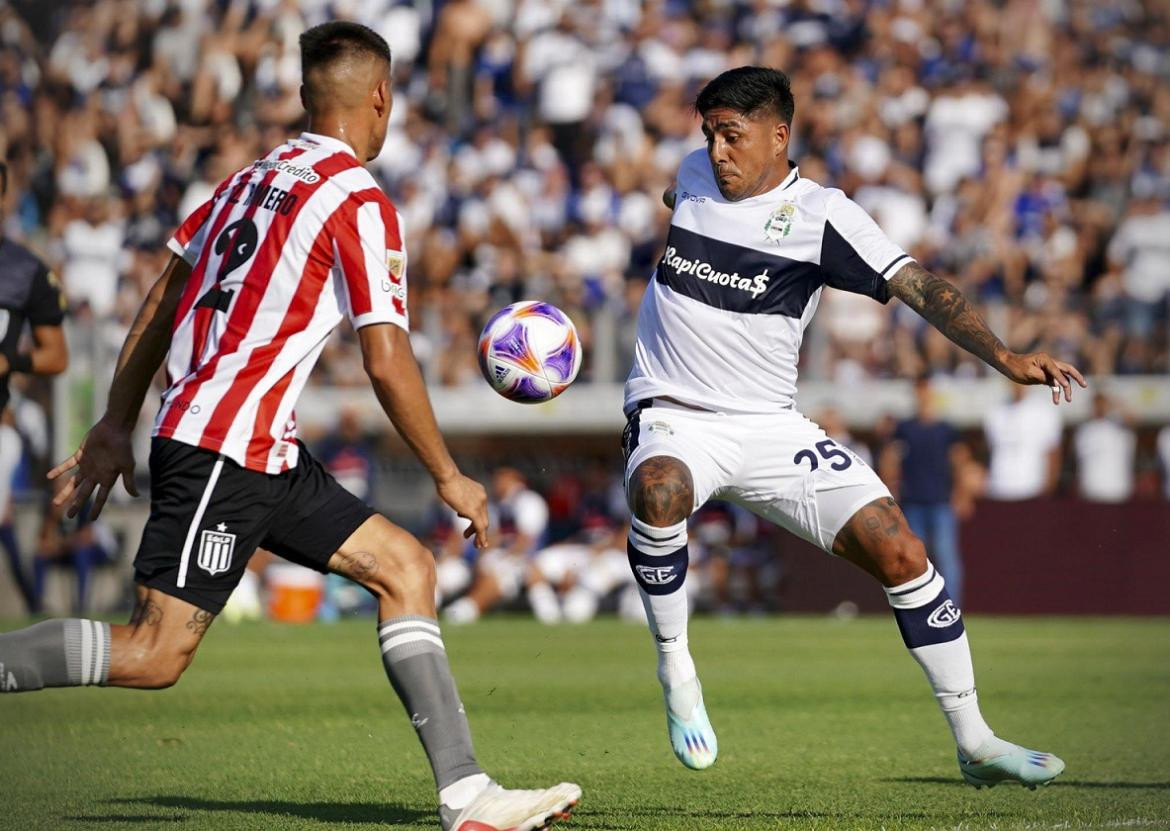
<point>691,736</point>
<point>1001,761</point>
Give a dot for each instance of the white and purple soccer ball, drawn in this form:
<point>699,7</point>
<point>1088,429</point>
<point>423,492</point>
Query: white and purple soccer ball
<point>529,352</point>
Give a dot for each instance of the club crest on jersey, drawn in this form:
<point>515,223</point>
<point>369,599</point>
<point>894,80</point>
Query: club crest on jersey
<point>779,223</point>
<point>215,550</point>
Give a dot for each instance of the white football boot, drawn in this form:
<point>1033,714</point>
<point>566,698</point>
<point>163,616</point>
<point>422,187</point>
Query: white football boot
<point>500,809</point>
<point>691,735</point>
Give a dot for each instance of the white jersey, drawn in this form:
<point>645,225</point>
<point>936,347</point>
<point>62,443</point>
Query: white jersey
<point>722,320</point>
<point>285,248</point>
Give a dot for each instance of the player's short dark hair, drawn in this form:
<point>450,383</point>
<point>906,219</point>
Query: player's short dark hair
<point>749,90</point>
<point>337,39</point>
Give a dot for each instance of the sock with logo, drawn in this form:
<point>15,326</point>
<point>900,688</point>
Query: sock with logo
<point>932,628</point>
<point>416,664</point>
<point>658,557</point>
<point>55,653</point>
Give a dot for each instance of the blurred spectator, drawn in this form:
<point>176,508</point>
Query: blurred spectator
<point>922,460</point>
<point>1019,149</point>
<point>1164,458</point>
<point>80,544</point>
<point>1105,449</point>
<point>1023,437</point>
<point>519,520</point>
<point>348,454</point>
<point>833,423</point>
<point>11,448</point>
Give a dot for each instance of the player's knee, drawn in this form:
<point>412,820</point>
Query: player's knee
<point>903,559</point>
<point>662,492</point>
<point>407,572</point>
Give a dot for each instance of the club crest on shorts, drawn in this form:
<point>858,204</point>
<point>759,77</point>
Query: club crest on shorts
<point>779,223</point>
<point>215,550</point>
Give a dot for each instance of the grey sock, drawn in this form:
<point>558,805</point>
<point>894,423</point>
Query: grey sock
<point>416,664</point>
<point>55,653</point>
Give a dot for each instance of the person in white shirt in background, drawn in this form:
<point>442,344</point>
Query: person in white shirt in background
<point>519,519</point>
<point>1164,458</point>
<point>1023,437</point>
<point>1105,446</point>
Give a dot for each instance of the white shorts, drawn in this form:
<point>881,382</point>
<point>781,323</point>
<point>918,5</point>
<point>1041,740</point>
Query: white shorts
<point>781,466</point>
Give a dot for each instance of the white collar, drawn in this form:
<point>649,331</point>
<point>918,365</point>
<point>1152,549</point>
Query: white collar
<point>327,141</point>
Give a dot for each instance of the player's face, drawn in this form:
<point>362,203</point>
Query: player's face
<point>748,155</point>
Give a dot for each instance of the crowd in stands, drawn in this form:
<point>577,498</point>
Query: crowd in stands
<point>1019,148</point>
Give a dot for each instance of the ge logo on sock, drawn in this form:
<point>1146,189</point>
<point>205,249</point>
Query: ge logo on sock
<point>656,575</point>
<point>945,615</point>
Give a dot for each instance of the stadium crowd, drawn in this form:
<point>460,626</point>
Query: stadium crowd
<point>1019,148</point>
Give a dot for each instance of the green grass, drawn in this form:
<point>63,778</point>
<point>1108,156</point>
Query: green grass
<point>822,725</point>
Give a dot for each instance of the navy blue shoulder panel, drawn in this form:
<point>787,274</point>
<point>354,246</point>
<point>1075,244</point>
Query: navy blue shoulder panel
<point>735,278</point>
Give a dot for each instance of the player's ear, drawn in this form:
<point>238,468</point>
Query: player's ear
<point>382,98</point>
<point>780,138</point>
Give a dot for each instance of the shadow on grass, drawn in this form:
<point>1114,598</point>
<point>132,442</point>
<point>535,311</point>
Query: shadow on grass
<point>152,819</point>
<point>1059,783</point>
<point>328,812</point>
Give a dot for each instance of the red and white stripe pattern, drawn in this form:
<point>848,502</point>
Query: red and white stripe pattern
<point>327,244</point>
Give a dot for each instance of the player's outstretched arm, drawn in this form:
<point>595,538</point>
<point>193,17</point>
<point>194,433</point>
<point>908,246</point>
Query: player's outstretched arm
<point>105,453</point>
<point>944,307</point>
<point>393,370</point>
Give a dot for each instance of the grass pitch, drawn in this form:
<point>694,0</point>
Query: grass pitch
<point>822,725</point>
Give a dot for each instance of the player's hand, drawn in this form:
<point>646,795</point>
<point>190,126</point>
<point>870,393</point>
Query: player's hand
<point>104,455</point>
<point>1042,368</point>
<point>468,499</point>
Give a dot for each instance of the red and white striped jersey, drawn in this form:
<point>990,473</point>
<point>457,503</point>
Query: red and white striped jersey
<point>280,252</point>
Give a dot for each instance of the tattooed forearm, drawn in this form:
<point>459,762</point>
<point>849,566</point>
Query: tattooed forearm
<point>200,621</point>
<point>944,307</point>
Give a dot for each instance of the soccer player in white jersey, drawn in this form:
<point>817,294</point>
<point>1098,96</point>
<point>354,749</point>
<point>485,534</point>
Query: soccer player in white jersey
<point>260,276</point>
<point>711,411</point>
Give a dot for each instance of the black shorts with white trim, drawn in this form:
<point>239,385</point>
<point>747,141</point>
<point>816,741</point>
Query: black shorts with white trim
<point>208,515</point>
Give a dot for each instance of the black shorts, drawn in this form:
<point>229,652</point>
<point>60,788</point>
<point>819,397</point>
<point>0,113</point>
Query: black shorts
<point>208,515</point>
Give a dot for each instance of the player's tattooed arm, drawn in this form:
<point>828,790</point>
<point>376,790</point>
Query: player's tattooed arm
<point>944,307</point>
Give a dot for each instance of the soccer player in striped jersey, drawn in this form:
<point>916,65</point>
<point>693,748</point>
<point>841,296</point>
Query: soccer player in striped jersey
<point>710,403</point>
<point>261,274</point>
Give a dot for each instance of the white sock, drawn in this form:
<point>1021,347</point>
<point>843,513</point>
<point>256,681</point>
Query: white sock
<point>932,628</point>
<point>659,559</point>
<point>459,794</point>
